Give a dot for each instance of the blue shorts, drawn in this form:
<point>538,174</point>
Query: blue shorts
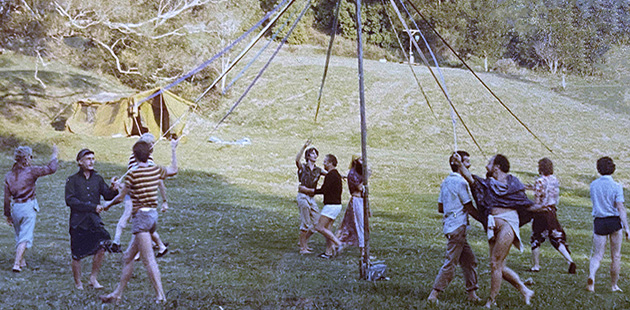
<point>144,221</point>
<point>604,226</point>
<point>24,216</point>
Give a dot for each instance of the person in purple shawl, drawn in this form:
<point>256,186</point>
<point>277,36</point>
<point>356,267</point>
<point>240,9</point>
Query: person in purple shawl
<point>503,207</point>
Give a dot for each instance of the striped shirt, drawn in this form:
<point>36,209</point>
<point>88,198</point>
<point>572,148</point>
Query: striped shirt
<point>143,186</point>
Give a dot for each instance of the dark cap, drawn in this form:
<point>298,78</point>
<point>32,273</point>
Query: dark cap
<point>83,152</point>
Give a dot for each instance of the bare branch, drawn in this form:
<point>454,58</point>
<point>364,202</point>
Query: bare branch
<point>118,65</point>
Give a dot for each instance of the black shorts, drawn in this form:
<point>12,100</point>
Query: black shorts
<point>604,226</point>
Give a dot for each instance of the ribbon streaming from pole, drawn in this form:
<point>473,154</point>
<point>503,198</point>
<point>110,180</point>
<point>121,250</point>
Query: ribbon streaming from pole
<point>260,73</point>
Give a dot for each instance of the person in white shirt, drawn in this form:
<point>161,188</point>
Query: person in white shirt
<point>610,220</point>
<point>456,204</point>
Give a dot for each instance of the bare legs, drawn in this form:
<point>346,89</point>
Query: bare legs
<point>597,253</point>
<point>19,257</point>
<point>141,242</point>
<point>97,262</point>
<point>536,256</point>
<point>304,236</point>
<point>499,249</point>
<point>323,227</point>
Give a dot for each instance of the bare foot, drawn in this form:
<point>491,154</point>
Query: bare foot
<point>111,298</point>
<point>93,283</point>
<point>472,296</point>
<point>78,286</point>
<point>616,289</point>
<point>433,297</point>
<point>590,285</point>
<point>305,251</point>
<point>490,303</point>
<point>527,295</point>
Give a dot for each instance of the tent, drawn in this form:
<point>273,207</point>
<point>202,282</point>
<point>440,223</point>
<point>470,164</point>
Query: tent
<point>106,115</point>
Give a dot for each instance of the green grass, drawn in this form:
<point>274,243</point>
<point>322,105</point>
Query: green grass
<point>233,224</point>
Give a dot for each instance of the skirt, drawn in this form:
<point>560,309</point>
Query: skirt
<point>86,242</point>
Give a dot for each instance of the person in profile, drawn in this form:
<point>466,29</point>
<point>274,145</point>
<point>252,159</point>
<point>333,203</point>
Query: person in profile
<point>456,204</point>
<point>331,189</point>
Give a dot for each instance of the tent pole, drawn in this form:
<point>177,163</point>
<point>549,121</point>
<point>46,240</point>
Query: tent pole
<point>365,260</point>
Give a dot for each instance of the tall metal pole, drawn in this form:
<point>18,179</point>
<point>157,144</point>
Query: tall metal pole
<point>365,259</point>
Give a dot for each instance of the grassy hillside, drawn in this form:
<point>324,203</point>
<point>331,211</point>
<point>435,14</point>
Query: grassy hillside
<point>233,221</point>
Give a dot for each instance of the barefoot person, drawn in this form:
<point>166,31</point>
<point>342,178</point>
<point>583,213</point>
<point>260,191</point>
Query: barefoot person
<point>350,231</point>
<point>610,220</point>
<point>331,189</point>
<point>455,203</point>
<point>142,185</point>
<point>308,174</point>
<point>545,224</point>
<point>20,203</point>
<point>124,219</point>
<point>87,232</point>
<point>499,197</point>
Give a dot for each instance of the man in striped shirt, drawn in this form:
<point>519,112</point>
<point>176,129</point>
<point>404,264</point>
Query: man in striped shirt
<point>142,185</point>
<point>124,218</point>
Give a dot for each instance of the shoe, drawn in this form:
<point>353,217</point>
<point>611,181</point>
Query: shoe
<point>324,255</point>
<point>160,254</point>
<point>572,268</point>
<point>115,248</point>
<point>533,270</point>
<point>17,269</point>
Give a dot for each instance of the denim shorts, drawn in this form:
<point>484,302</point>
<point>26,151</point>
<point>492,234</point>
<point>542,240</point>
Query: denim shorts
<point>144,221</point>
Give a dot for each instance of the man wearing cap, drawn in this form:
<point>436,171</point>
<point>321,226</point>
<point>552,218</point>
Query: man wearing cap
<point>20,203</point>
<point>87,232</point>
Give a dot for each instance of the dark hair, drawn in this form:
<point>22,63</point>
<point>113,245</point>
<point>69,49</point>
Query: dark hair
<point>605,166</point>
<point>332,159</point>
<point>502,162</point>
<point>310,150</point>
<point>141,151</point>
<point>451,160</point>
<point>358,166</point>
<point>545,166</point>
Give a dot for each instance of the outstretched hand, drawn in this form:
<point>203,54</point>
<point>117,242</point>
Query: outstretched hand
<point>626,233</point>
<point>174,143</point>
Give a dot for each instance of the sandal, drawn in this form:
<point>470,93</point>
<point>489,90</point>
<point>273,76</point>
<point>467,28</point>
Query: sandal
<point>324,255</point>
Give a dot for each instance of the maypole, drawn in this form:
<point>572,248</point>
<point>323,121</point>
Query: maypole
<point>365,259</point>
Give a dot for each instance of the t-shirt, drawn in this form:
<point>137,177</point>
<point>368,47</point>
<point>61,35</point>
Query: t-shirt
<point>453,196</point>
<point>604,193</point>
<point>309,177</point>
<point>143,186</point>
<point>547,190</point>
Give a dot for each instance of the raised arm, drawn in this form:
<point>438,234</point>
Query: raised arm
<point>462,170</point>
<point>52,165</point>
<point>298,157</point>
<point>172,169</point>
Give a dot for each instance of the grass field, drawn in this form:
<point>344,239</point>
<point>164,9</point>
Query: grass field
<point>233,221</point>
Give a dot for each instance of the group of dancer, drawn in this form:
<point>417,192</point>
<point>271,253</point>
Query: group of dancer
<point>83,192</point>
<point>350,232</point>
<point>502,206</point>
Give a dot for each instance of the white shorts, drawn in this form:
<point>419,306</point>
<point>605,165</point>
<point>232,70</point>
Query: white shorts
<point>331,211</point>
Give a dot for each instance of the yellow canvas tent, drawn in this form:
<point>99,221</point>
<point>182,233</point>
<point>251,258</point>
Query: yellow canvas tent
<point>106,116</point>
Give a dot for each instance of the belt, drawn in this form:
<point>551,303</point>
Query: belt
<point>23,200</point>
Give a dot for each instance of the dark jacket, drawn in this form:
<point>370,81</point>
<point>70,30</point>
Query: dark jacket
<point>490,193</point>
<point>83,195</point>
